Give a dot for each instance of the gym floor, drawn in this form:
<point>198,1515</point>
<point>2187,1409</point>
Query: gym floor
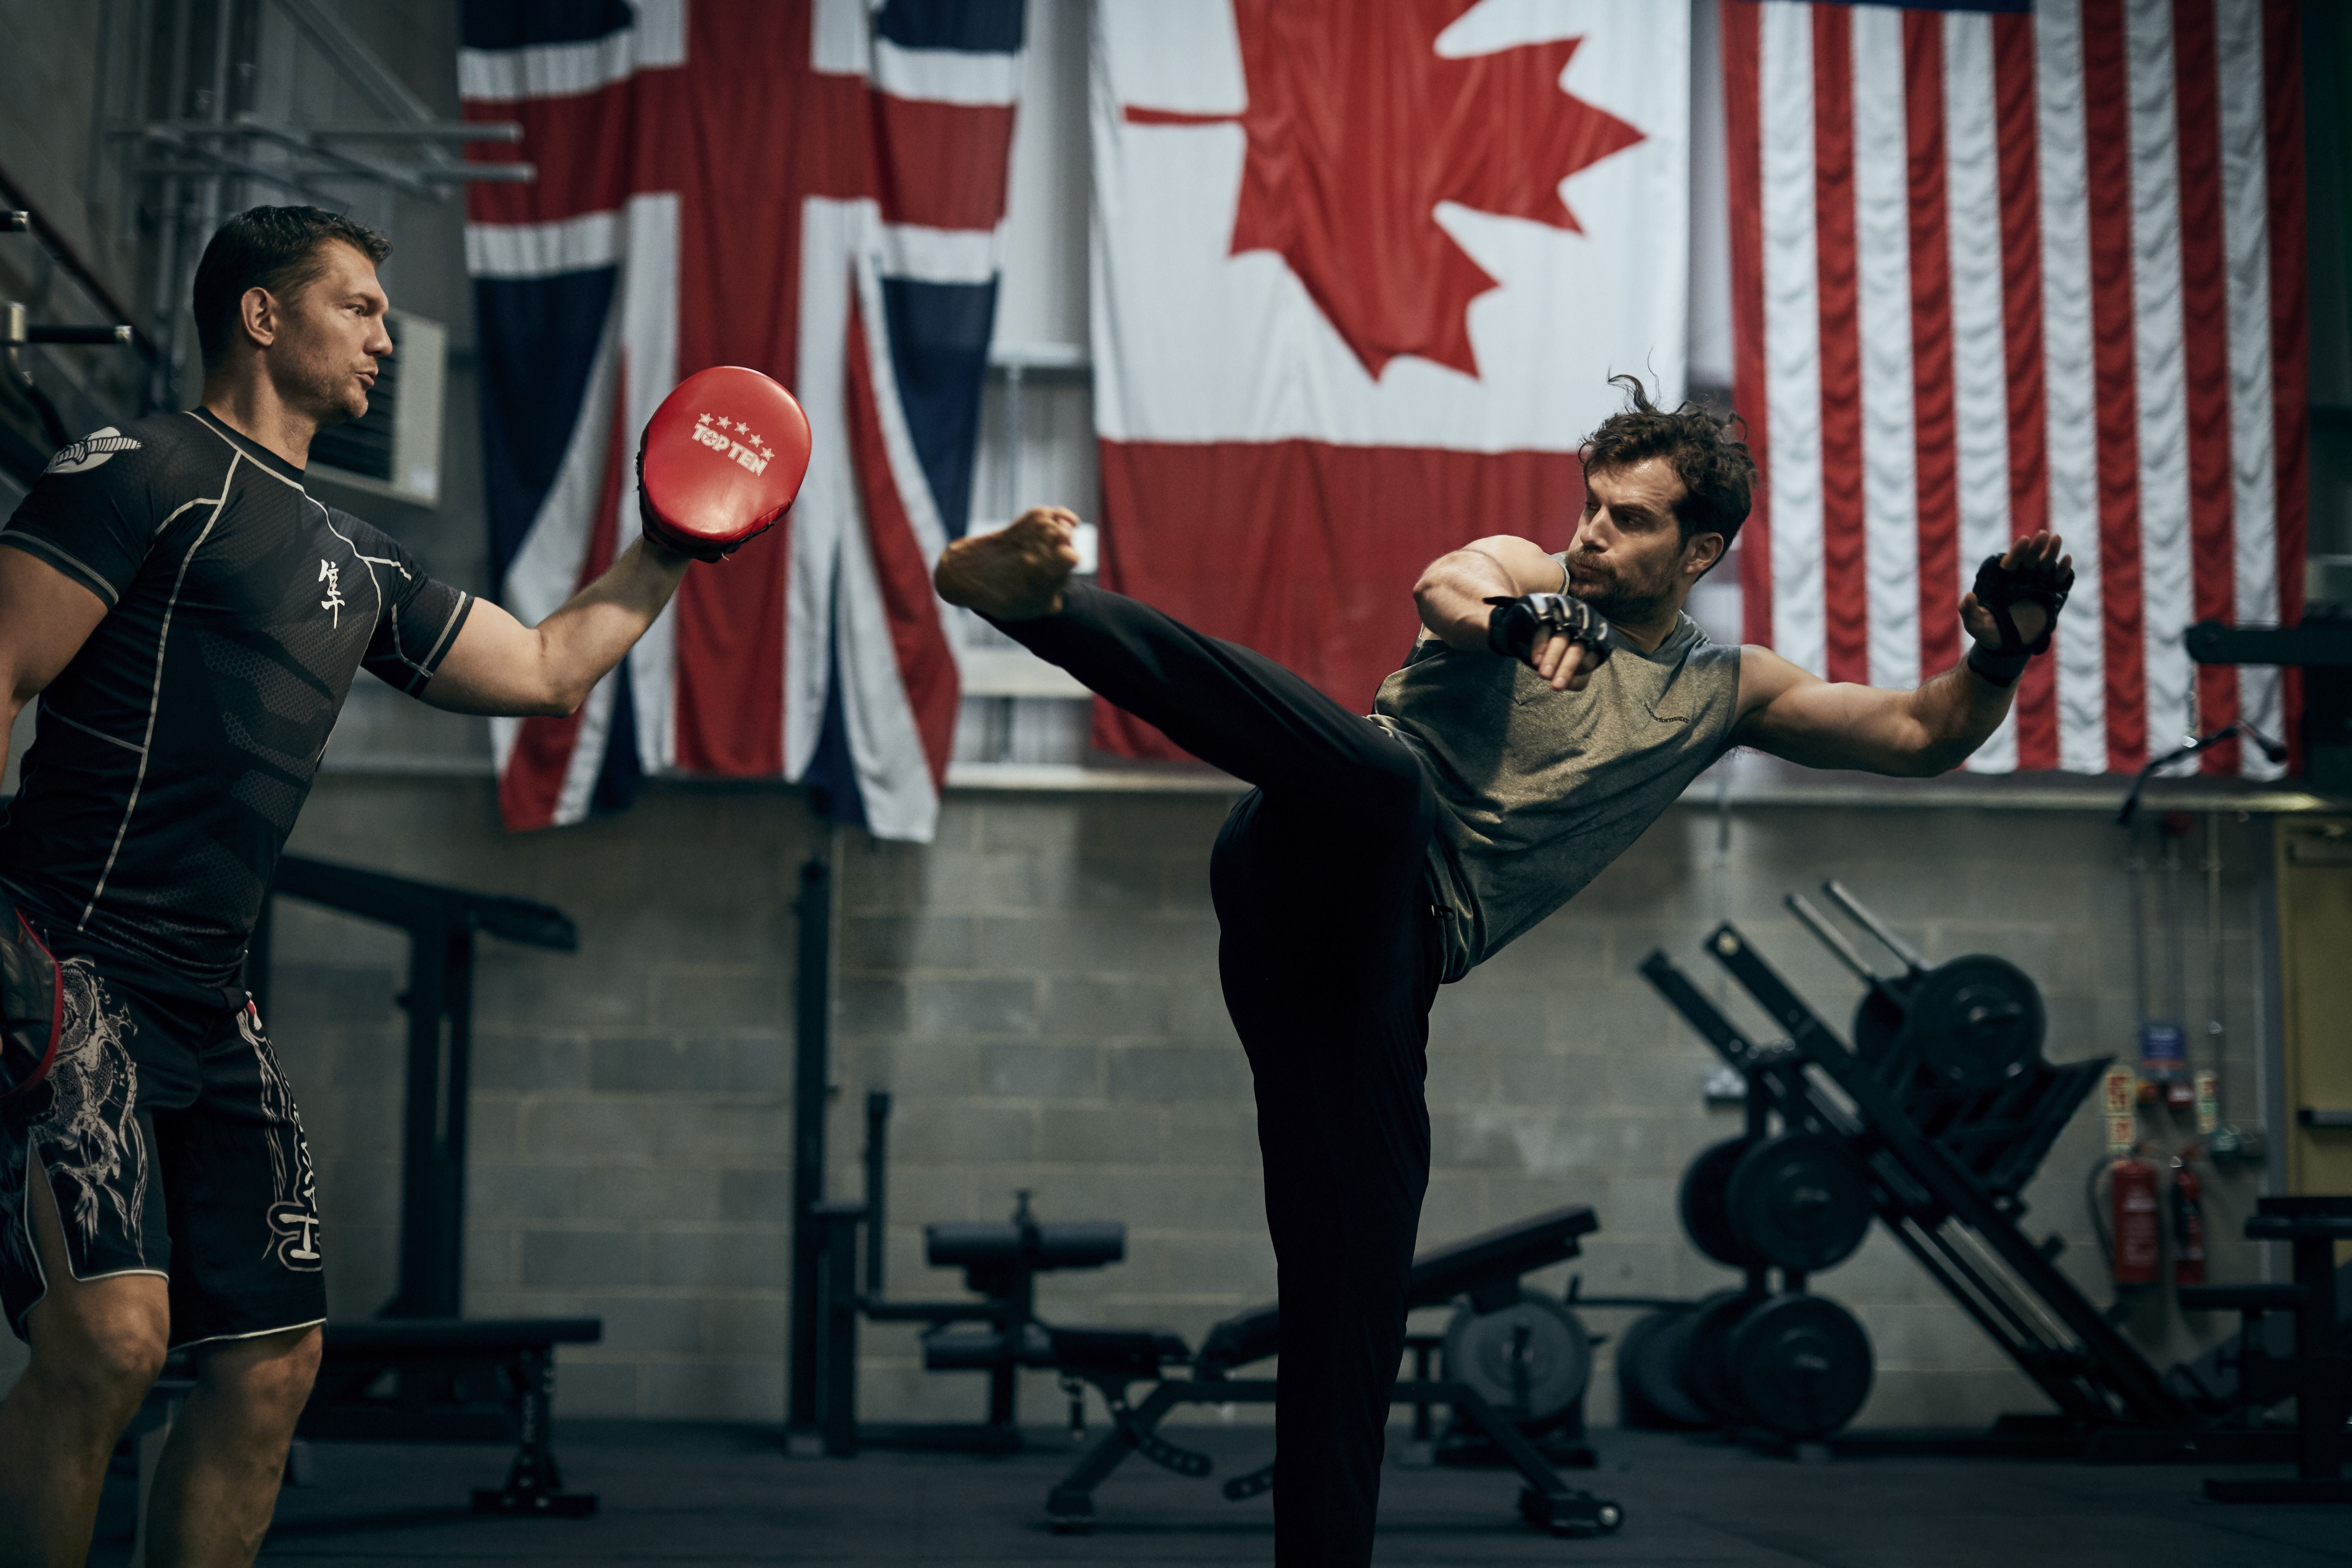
<point>707,1494</point>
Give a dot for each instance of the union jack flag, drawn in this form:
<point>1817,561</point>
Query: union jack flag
<point>812,188</point>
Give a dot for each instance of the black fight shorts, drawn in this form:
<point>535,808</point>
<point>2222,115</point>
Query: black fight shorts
<point>170,1139</point>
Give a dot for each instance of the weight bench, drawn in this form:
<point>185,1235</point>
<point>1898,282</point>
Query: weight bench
<point>1486,1269</point>
<point>2317,1373</point>
<point>451,1380</point>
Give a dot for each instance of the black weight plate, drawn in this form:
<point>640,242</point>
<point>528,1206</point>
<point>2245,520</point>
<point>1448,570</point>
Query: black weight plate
<point>1799,1200</point>
<point>1531,1360</point>
<point>1878,1019</point>
<point>1801,1366</point>
<point>1706,1208</point>
<point>1650,1390</point>
<point>1706,1362</point>
<point>1976,1020</point>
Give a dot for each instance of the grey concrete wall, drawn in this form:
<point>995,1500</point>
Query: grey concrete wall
<point>1037,991</point>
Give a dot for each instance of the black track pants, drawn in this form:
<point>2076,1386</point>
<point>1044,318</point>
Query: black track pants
<point>1328,956</point>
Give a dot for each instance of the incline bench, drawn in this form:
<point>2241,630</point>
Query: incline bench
<point>1485,1268</point>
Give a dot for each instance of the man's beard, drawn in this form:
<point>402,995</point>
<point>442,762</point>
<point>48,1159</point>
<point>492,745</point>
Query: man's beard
<point>1617,601</point>
<point>327,397</point>
<point>338,409</point>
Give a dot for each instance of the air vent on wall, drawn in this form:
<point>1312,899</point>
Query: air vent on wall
<point>397,450</point>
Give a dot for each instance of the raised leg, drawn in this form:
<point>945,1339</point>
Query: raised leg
<point>1228,705</point>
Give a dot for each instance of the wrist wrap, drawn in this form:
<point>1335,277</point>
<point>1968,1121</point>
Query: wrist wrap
<point>1518,627</point>
<point>2002,669</point>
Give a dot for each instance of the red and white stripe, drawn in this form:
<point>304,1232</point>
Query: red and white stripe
<point>1997,273</point>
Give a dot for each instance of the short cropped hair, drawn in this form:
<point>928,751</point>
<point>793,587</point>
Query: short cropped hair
<point>1718,473</point>
<point>276,248</point>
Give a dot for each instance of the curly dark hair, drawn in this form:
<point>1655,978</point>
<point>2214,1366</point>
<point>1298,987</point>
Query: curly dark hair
<point>1718,474</point>
<point>275,248</point>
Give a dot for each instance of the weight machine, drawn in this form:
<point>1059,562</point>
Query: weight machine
<point>1945,1108</point>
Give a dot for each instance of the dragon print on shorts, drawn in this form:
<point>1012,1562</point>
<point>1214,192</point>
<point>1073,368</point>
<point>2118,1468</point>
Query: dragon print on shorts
<point>82,1122</point>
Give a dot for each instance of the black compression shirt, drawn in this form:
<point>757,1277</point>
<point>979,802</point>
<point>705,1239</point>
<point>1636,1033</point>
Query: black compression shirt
<point>171,755</point>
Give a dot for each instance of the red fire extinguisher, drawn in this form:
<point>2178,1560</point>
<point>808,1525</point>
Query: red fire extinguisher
<point>2132,1217</point>
<point>2188,1223</point>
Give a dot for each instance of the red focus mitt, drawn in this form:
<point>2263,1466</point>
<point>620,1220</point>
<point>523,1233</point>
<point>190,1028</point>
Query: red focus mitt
<point>31,1005</point>
<point>720,461</point>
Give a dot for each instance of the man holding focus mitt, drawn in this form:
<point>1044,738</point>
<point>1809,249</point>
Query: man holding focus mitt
<point>192,621</point>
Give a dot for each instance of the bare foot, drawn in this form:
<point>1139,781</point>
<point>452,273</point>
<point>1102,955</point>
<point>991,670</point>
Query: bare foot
<point>1016,574</point>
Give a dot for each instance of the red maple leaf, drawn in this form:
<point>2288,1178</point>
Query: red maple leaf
<point>1358,129</point>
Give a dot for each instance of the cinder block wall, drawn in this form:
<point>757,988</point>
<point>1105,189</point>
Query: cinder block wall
<point>1037,991</point>
<point>630,1136</point>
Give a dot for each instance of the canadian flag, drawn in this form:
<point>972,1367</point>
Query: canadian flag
<point>1362,273</point>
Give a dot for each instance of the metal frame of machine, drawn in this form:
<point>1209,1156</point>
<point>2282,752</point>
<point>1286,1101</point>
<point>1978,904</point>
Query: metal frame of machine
<point>1948,1193</point>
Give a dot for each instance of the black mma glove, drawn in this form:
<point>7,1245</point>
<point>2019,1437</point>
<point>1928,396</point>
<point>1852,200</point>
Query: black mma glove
<point>1998,587</point>
<point>1519,626</point>
<point>31,1005</point>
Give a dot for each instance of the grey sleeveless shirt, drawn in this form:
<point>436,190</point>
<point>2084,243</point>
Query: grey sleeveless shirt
<point>1538,791</point>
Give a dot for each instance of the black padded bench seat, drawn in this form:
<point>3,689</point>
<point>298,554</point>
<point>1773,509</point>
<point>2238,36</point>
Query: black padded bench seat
<point>386,1338</point>
<point>1491,1261</point>
<point>454,1380</point>
<point>1138,1353</point>
<point>1082,1352</point>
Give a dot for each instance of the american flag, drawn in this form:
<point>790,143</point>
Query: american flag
<point>1999,272</point>
<point>812,188</point>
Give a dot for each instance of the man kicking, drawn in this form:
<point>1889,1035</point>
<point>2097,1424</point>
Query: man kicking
<point>1552,709</point>
<point>191,620</point>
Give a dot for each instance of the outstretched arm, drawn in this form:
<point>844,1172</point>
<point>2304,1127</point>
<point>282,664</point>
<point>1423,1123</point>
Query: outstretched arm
<point>498,665</point>
<point>1453,589</point>
<point>1794,714</point>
